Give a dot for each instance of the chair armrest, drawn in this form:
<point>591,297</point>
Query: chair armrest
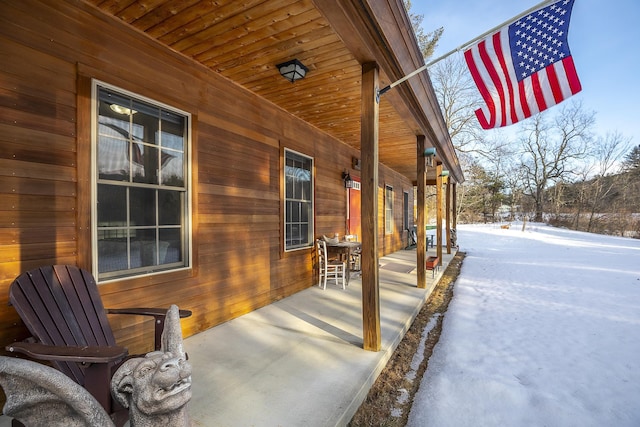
<point>158,314</point>
<point>88,354</point>
<point>155,312</point>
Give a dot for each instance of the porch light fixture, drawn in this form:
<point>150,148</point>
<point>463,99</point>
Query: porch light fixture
<point>430,154</point>
<point>445,176</point>
<point>122,110</point>
<point>348,182</point>
<point>292,70</point>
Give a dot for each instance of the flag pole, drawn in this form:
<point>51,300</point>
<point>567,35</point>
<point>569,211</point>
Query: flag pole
<point>462,46</point>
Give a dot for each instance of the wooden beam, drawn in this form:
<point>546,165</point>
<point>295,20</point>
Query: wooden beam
<point>448,216</point>
<point>454,209</point>
<point>369,208</point>
<point>421,233</point>
<point>455,206</point>
<point>84,204</point>
<point>439,211</point>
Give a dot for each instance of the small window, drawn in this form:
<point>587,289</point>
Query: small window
<point>388,209</point>
<point>298,209</point>
<point>141,186</point>
<point>405,211</point>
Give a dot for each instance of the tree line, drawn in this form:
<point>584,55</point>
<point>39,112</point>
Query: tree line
<point>552,167</point>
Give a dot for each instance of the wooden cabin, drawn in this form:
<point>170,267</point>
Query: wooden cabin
<point>157,145</point>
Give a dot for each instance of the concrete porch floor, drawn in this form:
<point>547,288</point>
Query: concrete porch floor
<point>299,361</point>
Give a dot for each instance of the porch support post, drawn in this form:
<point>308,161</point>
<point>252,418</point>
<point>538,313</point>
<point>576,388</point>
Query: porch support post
<point>448,216</point>
<point>439,211</point>
<point>421,226</point>
<point>369,206</point>
<point>454,207</point>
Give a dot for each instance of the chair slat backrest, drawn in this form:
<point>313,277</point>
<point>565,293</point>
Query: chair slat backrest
<point>61,305</point>
<point>321,248</point>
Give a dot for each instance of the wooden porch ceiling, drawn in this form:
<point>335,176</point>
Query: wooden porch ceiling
<point>244,40</point>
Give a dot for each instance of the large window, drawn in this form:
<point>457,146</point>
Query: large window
<point>388,209</point>
<point>140,222</point>
<point>298,182</point>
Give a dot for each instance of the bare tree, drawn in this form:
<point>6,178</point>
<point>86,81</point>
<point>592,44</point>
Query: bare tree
<point>580,194</point>
<point>458,100</point>
<point>551,149</point>
<point>513,179</point>
<point>608,152</point>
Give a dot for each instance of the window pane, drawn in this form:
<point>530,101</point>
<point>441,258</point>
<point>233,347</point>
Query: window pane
<point>112,253</point>
<point>306,186</point>
<point>112,206</point>
<point>289,186</point>
<point>145,163</point>
<point>142,202</point>
<point>170,246</point>
<point>113,159</point>
<point>295,233</point>
<point>169,207</point>
<point>288,235</point>
<point>172,172</point>
<point>146,122</point>
<point>115,127</point>
<point>144,251</point>
<point>173,129</point>
<point>116,106</point>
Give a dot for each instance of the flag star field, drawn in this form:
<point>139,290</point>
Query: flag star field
<point>540,39</point>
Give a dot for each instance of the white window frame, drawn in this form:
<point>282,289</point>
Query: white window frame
<point>186,211</point>
<point>310,222</point>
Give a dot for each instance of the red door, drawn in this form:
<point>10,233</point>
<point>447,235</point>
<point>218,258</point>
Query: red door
<point>353,215</point>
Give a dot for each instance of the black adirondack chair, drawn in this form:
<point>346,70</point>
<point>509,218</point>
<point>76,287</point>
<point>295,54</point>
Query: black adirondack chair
<point>63,310</point>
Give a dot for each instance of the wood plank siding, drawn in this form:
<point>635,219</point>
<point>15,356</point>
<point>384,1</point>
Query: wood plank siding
<point>49,53</point>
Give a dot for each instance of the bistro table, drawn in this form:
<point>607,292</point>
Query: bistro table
<point>344,250</point>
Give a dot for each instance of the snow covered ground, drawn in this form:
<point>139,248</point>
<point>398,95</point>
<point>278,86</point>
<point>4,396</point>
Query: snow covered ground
<point>543,330</point>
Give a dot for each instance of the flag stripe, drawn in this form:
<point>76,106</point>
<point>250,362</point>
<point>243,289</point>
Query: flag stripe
<point>545,89</point>
<point>482,88</point>
<point>565,89</point>
<point>487,53</point>
<point>554,84</point>
<point>572,75</point>
<point>509,104</point>
<point>522,100</point>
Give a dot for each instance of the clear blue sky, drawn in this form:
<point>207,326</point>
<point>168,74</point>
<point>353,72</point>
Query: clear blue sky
<point>603,37</point>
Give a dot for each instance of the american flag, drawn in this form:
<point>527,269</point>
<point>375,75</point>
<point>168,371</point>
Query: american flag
<point>525,67</point>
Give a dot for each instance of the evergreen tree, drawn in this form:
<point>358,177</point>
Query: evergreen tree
<point>426,41</point>
<point>631,162</point>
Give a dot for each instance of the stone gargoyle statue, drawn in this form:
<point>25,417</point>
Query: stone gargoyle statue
<point>156,389</point>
